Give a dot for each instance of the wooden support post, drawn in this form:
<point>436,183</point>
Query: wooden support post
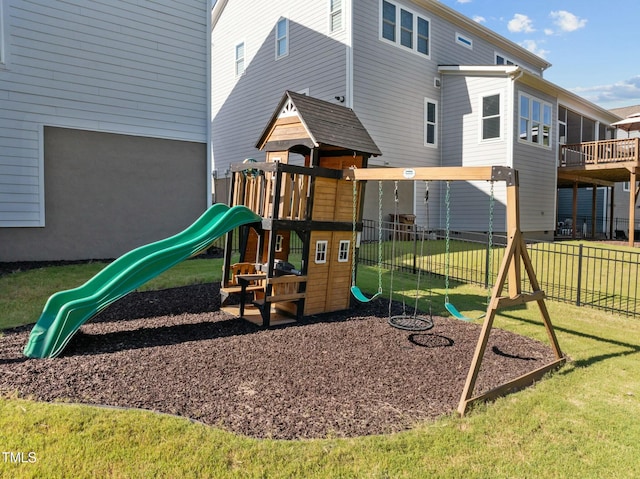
<point>611,205</point>
<point>574,211</point>
<point>515,254</point>
<point>632,206</point>
<point>594,210</point>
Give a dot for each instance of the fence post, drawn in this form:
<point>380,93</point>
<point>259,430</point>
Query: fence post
<point>578,298</point>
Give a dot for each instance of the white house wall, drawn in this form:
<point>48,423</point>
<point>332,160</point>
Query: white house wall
<point>463,146</point>
<point>242,105</point>
<point>119,66</point>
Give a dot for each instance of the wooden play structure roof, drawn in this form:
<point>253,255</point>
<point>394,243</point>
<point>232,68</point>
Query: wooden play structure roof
<point>325,125</point>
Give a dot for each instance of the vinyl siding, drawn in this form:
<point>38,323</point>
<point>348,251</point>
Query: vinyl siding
<point>243,105</point>
<point>121,66</point>
<point>390,85</point>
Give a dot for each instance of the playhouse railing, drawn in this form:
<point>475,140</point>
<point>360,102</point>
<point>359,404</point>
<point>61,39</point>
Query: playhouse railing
<point>260,186</point>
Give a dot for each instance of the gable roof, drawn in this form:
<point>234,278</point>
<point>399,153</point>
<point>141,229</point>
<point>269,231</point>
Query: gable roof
<point>326,124</point>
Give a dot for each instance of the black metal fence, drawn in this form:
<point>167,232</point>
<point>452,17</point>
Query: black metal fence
<point>584,275</point>
<point>598,277</point>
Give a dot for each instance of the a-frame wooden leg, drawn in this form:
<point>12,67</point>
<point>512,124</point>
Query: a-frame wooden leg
<point>515,252</point>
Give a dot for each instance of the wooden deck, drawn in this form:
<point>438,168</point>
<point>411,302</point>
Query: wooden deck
<point>600,163</point>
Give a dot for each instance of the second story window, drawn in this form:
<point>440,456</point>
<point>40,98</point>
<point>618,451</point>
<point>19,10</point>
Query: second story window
<point>430,123</point>
<point>502,60</point>
<point>335,15</point>
<point>535,121</point>
<point>282,38</point>
<point>404,27</point>
<point>239,59</point>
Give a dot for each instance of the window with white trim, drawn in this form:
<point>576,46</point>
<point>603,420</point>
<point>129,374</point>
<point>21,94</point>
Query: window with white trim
<point>464,41</point>
<point>282,38</point>
<point>430,122</point>
<point>239,59</point>
<point>343,251</point>
<point>491,117</point>
<point>321,251</point>
<point>502,60</point>
<point>626,186</point>
<point>404,27</point>
<point>335,15</point>
<point>535,121</point>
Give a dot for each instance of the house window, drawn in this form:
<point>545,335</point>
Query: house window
<point>626,186</point>
<point>335,15</point>
<point>430,122</point>
<point>491,117</point>
<point>535,121</point>
<point>282,38</point>
<point>404,28</point>
<point>239,59</point>
<point>343,252</point>
<point>279,240</point>
<point>502,60</point>
<point>321,251</point>
<point>464,41</point>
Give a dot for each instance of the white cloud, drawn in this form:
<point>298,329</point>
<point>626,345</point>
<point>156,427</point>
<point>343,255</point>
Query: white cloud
<point>626,91</point>
<point>534,48</point>
<point>548,31</point>
<point>464,1</point>
<point>566,21</point>
<point>520,23</point>
<point>479,19</point>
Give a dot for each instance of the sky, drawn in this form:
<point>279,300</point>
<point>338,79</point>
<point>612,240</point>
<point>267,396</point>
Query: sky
<point>593,46</point>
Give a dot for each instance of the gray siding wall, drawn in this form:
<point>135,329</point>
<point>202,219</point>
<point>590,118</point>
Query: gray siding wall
<point>243,105</point>
<point>390,85</point>
<point>120,66</point>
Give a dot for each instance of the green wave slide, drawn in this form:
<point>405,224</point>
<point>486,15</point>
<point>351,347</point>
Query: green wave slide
<point>66,311</point>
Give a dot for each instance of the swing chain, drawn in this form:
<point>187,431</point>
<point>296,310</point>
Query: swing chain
<point>447,202</point>
<point>380,237</point>
<point>354,237</point>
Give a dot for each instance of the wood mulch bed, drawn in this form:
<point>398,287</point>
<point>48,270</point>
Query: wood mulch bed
<point>333,375</point>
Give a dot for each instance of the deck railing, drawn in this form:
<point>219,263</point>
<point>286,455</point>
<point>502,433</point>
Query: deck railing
<point>599,152</point>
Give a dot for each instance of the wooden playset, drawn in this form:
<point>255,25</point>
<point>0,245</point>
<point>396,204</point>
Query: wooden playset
<point>319,203</point>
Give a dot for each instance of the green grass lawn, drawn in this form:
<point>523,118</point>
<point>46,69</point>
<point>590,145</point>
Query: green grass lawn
<point>581,422</point>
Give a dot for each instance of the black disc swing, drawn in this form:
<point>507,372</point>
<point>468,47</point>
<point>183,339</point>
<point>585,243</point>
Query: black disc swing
<point>415,321</point>
<point>355,290</point>
<point>447,304</point>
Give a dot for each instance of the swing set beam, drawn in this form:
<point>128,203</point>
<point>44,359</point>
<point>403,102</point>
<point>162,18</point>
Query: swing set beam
<point>516,256</point>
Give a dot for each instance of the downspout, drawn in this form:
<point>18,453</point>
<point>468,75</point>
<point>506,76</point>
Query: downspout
<point>517,74</point>
<point>349,54</point>
<point>209,115</point>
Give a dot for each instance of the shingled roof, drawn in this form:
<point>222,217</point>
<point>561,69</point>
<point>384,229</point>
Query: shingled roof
<point>327,124</point>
